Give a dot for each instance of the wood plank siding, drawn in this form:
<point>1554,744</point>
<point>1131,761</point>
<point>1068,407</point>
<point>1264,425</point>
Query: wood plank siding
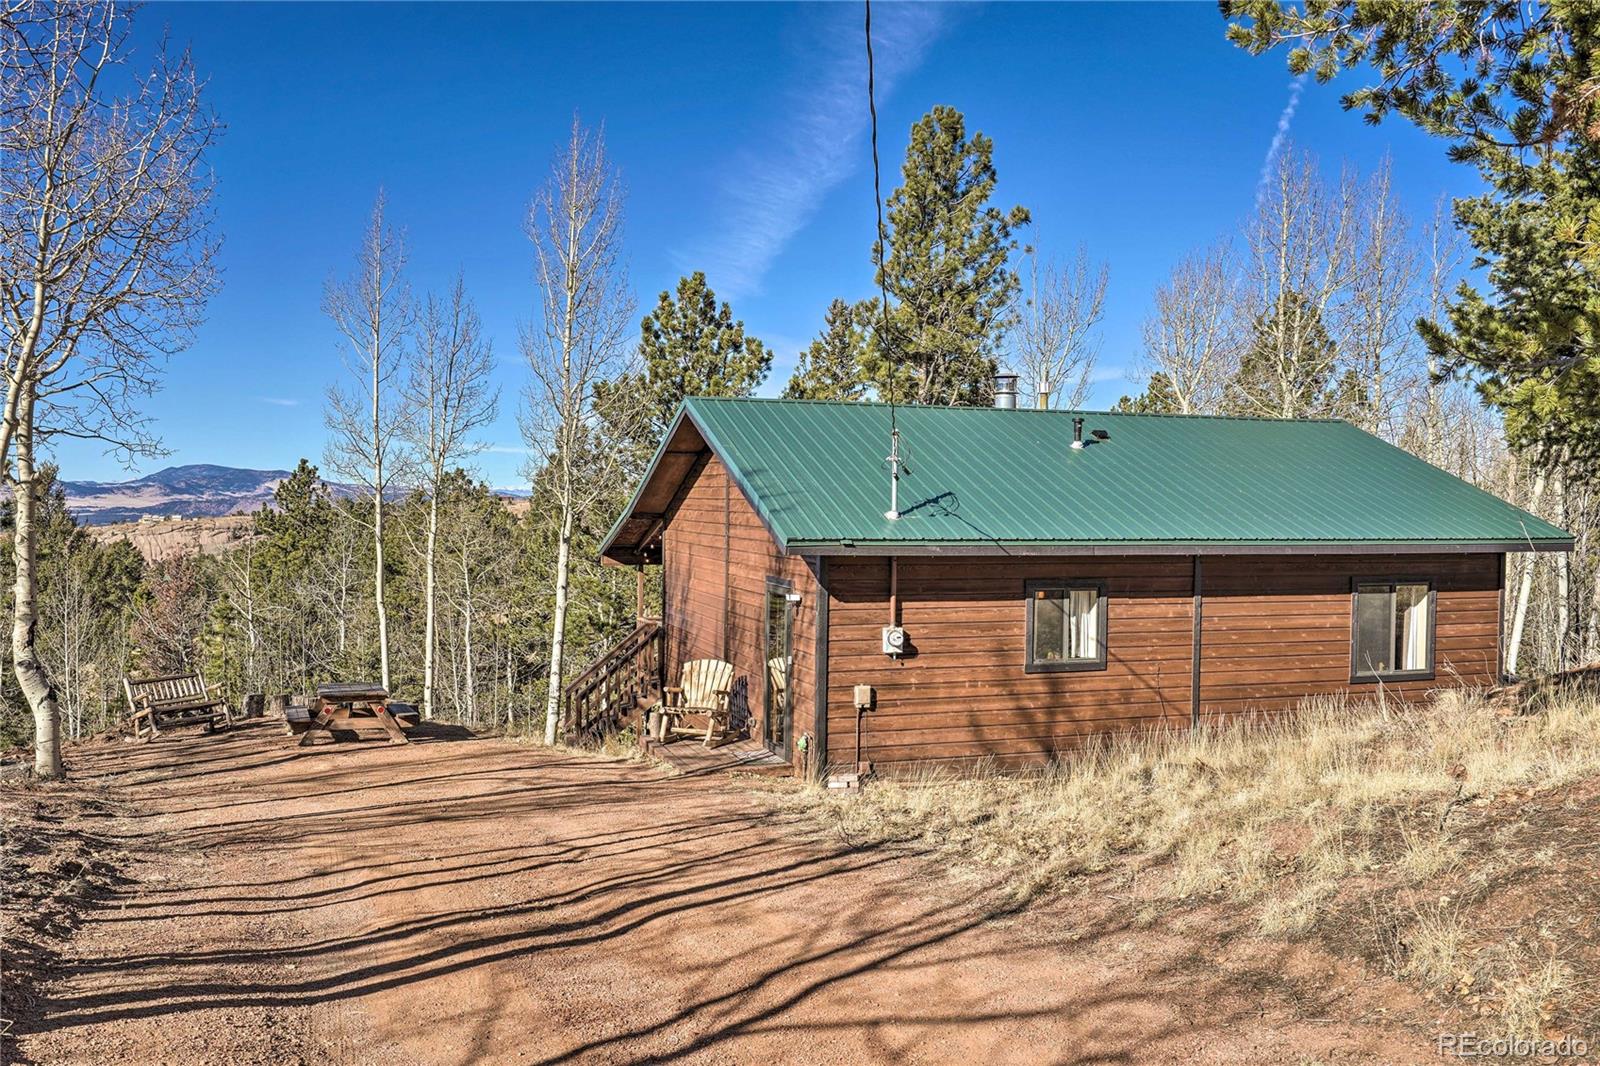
<point>1274,630</point>
<point>1277,629</point>
<point>717,558</point>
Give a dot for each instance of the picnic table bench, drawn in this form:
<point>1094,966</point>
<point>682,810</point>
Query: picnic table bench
<point>171,700</point>
<point>339,703</point>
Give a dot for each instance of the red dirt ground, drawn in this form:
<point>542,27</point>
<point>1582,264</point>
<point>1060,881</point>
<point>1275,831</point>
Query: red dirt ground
<point>479,901</point>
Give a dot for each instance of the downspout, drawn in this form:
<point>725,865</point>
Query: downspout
<point>894,620</point>
<point>727,556</point>
<point>894,590</point>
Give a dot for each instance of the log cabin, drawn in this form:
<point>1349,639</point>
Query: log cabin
<point>1043,577</point>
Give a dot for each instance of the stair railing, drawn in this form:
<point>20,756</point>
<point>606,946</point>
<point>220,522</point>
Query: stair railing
<point>603,697</point>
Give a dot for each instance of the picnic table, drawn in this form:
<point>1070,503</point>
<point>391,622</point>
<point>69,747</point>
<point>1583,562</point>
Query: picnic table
<point>340,703</point>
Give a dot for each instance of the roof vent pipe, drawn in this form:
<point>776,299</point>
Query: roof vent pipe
<point>1077,432</point>
<point>1005,391</point>
<point>1044,394</point>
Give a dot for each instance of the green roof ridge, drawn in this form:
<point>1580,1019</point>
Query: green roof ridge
<point>885,405</point>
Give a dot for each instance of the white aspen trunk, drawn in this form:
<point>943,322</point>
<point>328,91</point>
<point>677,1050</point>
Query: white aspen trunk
<point>1563,608</point>
<point>467,664</point>
<point>344,605</point>
<point>558,634</point>
<point>1563,586</point>
<point>1592,646</point>
<point>377,519</point>
<point>30,672</point>
<point>429,601</point>
<point>252,668</point>
<point>1432,430</point>
<point>1519,617</point>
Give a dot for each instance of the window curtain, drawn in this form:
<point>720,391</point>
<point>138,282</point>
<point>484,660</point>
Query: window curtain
<point>1411,603</point>
<point>1083,641</point>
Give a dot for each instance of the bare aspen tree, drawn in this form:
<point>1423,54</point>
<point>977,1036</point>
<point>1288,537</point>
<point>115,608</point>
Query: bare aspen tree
<point>449,395</point>
<point>238,573</point>
<point>373,313</point>
<point>106,260</point>
<point>1298,264</point>
<point>1441,243</point>
<point>476,569</point>
<point>1193,334</point>
<point>1519,615</point>
<point>1563,591</point>
<point>1055,345</point>
<point>335,580</point>
<point>1379,337</point>
<point>577,342</point>
<point>67,624</point>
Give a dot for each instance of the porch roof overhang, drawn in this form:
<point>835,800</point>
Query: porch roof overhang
<point>635,538</point>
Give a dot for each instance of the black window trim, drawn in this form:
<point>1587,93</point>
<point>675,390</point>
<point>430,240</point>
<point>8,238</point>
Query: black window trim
<point>1357,677</point>
<point>1064,666</point>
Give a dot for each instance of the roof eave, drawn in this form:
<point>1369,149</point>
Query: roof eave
<point>607,546</point>
<point>1363,547</point>
<point>632,555</point>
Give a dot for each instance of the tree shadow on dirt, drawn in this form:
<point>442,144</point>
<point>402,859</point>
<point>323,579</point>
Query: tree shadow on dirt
<point>738,933</point>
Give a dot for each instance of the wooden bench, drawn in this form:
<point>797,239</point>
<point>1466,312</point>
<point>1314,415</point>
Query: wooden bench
<point>156,703</point>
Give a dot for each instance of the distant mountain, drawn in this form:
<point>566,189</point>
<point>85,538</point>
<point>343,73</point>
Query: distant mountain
<point>196,491</point>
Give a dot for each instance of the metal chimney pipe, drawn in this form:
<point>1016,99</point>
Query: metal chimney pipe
<point>1044,394</point>
<point>1005,391</point>
<point>1077,432</point>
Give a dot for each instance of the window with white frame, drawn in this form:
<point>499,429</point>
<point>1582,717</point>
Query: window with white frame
<point>1392,631</point>
<point>1066,627</point>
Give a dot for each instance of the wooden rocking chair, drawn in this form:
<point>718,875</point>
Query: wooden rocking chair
<point>704,687</point>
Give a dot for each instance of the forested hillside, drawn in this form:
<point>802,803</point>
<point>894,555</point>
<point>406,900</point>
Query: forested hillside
<point>288,606</point>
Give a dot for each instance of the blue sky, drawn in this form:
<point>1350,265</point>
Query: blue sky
<point>1136,130</point>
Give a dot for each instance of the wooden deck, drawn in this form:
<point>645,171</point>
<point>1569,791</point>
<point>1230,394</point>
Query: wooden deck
<point>690,757</point>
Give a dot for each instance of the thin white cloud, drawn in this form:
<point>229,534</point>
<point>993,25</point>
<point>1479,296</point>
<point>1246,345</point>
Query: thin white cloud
<point>1280,135</point>
<point>278,401</point>
<point>775,185</point>
<point>508,449</point>
<point>1102,374</point>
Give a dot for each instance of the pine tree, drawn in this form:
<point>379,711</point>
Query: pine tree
<point>1511,88</point>
<point>1286,370</point>
<point>691,346</point>
<point>830,369</point>
<point>1158,398</point>
<point>947,271</point>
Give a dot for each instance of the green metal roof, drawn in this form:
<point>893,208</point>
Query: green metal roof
<point>992,480</point>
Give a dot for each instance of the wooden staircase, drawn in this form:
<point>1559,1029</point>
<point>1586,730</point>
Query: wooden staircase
<point>626,680</point>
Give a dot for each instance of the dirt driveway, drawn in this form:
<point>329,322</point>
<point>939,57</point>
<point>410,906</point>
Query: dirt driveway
<point>477,901</point>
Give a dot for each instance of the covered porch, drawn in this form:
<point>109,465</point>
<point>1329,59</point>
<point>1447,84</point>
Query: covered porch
<point>634,678</point>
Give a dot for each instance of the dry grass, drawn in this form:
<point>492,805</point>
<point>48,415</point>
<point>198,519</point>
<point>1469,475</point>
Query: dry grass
<point>1277,814</point>
<point>1530,996</point>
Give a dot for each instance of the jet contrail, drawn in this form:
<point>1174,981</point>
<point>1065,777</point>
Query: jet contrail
<point>1281,135</point>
